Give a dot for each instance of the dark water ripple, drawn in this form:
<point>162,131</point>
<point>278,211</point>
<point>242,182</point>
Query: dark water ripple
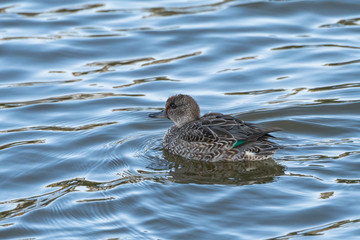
<point>80,159</point>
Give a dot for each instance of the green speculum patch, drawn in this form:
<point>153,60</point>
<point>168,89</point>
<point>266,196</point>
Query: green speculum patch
<point>238,143</point>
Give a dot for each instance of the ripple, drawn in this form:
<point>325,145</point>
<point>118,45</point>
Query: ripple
<point>81,158</point>
<point>100,70</point>
<point>257,92</point>
<point>343,23</point>
<point>334,87</point>
<point>150,61</point>
<point>20,143</point>
<point>137,109</point>
<point>133,29</point>
<point>319,231</point>
<point>93,186</point>
<point>71,97</point>
<point>290,47</point>
<point>95,200</point>
<point>52,37</point>
<point>4,9</point>
<point>59,128</point>
<point>348,181</point>
<point>146,80</point>
<point>29,204</point>
<point>342,63</point>
<point>246,58</point>
<point>26,205</point>
<point>28,84</point>
<point>60,11</point>
<point>173,11</point>
<point>167,60</point>
<point>119,63</point>
<point>105,65</point>
<point>166,12</point>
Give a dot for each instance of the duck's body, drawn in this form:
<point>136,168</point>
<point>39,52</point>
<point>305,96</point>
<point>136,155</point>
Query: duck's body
<point>217,137</point>
<point>213,137</point>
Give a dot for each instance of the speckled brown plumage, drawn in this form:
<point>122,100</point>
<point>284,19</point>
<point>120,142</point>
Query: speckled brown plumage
<point>214,136</point>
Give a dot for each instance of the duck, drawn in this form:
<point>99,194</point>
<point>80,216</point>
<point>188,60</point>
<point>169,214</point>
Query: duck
<point>213,137</point>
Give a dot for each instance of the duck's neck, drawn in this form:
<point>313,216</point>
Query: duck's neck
<point>185,120</point>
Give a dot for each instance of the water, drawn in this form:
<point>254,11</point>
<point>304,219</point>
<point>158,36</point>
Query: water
<point>80,159</point>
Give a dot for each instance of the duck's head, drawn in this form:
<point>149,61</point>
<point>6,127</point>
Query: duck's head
<point>181,109</point>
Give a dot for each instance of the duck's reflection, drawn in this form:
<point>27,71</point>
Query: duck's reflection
<point>239,173</point>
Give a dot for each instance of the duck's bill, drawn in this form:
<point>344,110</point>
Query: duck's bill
<point>157,115</point>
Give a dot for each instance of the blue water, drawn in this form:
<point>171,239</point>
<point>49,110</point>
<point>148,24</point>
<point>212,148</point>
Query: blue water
<point>80,159</point>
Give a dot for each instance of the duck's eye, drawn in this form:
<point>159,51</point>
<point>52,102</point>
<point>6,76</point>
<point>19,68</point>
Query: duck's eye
<point>172,105</point>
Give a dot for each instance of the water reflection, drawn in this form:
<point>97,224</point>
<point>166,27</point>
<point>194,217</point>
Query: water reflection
<point>4,9</point>
<point>165,12</point>
<point>100,70</point>
<point>348,181</point>
<point>343,23</point>
<point>22,206</point>
<point>26,84</point>
<point>25,205</point>
<point>20,143</point>
<point>168,60</point>
<point>319,231</point>
<point>258,92</point>
<point>146,80</point>
<point>71,97</point>
<point>181,171</point>
<point>289,47</point>
<point>342,63</point>
<point>105,65</point>
<point>119,63</point>
<point>239,173</point>
<point>62,10</point>
<point>58,128</point>
<point>52,37</point>
<point>334,87</point>
<point>326,195</point>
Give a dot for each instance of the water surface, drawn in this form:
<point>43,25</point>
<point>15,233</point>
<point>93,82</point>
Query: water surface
<point>80,159</point>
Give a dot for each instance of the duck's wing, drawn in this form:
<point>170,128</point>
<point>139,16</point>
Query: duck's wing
<point>216,127</point>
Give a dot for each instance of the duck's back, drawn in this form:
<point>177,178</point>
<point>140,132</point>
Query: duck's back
<point>217,137</point>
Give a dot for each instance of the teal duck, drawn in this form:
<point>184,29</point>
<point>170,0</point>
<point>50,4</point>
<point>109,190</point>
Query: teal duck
<point>213,137</point>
